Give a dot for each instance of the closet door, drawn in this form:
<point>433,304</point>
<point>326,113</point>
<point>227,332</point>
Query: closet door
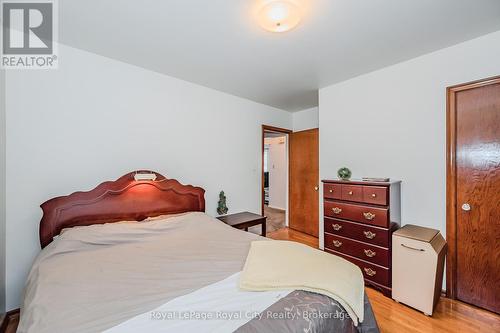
<point>476,111</point>
<point>304,181</point>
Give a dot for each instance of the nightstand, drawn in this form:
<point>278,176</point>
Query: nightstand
<point>245,220</point>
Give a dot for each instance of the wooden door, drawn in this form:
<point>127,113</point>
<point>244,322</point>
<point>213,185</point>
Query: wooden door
<point>304,181</point>
<point>475,251</point>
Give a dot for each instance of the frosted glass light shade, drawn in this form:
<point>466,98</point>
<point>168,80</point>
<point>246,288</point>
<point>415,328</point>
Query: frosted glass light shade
<point>279,16</point>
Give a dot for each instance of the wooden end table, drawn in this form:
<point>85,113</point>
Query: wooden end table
<point>245,220</point>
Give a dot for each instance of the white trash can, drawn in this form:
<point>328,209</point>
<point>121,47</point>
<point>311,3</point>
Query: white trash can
<point>418,255</point>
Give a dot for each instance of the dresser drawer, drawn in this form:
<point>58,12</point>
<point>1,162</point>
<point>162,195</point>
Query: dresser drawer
<point>374,254</point>
<point>370,271</point>
<point>359,213</point>
<point>377,195</point>
<point>352,193</point>
<point>332,191</point>
<point>361,232</point>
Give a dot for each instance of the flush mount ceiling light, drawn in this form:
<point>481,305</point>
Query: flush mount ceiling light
<point>279,15</point>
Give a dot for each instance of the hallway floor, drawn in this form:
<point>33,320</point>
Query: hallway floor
<point>275,218</point>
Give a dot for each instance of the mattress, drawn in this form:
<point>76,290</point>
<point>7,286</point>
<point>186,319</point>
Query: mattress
<point>94,278</point>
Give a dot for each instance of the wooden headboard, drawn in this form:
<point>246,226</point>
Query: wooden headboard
<point>124,199</point>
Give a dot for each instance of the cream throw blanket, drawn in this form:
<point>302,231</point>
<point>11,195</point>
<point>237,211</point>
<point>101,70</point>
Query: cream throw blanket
<point>289,265</point>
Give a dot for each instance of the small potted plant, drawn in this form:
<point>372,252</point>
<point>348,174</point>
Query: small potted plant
<point>221,206</point>
<point>344,173</point>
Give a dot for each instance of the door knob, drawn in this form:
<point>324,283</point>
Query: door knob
<point>466,207</point>
<point>316,188</point>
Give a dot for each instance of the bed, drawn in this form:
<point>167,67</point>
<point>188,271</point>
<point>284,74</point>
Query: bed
<point>142,255</point>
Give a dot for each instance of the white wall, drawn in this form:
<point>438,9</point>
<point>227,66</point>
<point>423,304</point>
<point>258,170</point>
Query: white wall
<point>95,119</point>
<point>391,123</point>
<point>305,119</point>
<point>2,191</point>
<point>278,172</point>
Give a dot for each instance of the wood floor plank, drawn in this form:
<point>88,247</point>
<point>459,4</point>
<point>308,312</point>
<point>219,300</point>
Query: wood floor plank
<point>293,235</point>
<point>11,322</point>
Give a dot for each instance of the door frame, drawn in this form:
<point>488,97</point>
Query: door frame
<point>267,128</point>
<point>451,178</point>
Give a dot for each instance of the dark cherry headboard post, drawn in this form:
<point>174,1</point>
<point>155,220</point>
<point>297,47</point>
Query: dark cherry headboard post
<point>125,199</point>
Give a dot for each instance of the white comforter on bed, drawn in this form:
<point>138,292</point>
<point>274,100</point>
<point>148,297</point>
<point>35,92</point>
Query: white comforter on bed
<point>93,278</point>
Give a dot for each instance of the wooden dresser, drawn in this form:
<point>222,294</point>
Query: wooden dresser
<point>359,218</point>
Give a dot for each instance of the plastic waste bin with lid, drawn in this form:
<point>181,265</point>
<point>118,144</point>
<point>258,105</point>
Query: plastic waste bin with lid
<point>418,255</point>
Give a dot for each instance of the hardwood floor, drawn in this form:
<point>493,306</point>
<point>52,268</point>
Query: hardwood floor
<point>293,235</point>
<point>450,316</point>
<point>9,324</point>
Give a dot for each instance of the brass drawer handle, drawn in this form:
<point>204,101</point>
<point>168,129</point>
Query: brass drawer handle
<point>370,253</point>
<point>331,191</point>
<point>374,195</point>
<point>350,192</point>
<point>336,227</point>
<point>337,243</point>
<point>370,272</point>
<point>369,234</point>
<point>369,216</point>
<point>336,210</point>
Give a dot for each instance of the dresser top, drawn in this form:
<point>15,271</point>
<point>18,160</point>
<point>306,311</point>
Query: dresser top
<point>360,182</point>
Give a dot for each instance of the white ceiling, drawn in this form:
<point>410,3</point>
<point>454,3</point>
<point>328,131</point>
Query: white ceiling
<point>215,43</point>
